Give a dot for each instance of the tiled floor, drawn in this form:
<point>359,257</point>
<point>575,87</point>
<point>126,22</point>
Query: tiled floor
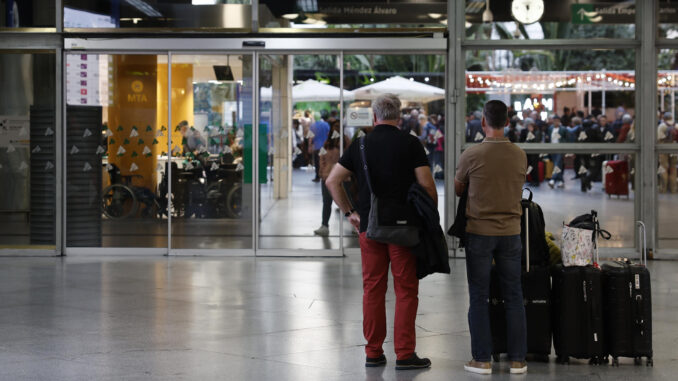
<point>249,319</point>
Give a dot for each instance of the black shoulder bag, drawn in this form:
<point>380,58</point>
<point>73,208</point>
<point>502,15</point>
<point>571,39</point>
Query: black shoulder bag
<point>390,220</point>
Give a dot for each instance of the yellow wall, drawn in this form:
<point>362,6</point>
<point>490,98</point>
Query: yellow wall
<point>134,104</point>
<point>182,102</point>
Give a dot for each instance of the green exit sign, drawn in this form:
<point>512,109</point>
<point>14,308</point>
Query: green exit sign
<point>585,14</point>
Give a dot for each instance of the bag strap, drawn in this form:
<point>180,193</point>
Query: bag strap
<point>364,161</point>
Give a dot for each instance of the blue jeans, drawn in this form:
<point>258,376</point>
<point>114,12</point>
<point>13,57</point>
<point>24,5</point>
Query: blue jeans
<point>557,162</point>
<point>506,251</point>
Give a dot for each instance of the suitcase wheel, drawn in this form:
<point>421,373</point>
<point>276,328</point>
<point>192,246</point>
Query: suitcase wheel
<point>495,357</point>
<point>650,362</point>
<point>563,360</point>
<point>615,361</point>
<point>637,361</point>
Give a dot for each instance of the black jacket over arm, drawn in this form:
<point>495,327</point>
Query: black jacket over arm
<point>431,252</point>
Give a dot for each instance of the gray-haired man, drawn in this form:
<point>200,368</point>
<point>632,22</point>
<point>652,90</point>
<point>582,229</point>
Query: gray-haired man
<point>395,160</point>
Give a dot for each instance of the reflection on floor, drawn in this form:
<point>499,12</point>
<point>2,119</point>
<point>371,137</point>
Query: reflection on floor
<point>250,319</point>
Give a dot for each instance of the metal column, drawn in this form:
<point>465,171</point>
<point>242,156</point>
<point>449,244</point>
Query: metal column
<point>646,98</point>
<point>455,105</point>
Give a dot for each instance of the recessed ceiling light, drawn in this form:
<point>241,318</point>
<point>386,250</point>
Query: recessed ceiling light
<point>290,16</point>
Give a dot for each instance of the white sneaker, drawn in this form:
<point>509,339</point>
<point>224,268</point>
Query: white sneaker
<point>518,367</point>
<point>474,366</point>
<point>323,231</point>
<point>551,183</point>
<point>561,184</point>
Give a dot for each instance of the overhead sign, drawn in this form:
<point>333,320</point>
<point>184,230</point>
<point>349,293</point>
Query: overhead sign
<point>616,13</point>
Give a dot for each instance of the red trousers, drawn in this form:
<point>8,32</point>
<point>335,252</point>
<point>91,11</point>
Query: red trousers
<point>375,260</point>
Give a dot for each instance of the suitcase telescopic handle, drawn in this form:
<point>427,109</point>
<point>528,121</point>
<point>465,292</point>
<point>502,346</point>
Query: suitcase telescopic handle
<point>527,238</point>
<point>643,249</point>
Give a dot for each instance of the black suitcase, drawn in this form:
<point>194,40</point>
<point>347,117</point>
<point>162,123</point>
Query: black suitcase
<point>537,300</point>
<point>536,285</point>
<point>628,308</point>
<point>577,300</point>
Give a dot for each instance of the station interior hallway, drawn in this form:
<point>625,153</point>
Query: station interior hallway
<point>182,318</point>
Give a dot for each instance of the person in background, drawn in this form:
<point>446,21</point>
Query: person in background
<point>320,130</point>
<point>666,133</point>
<point>625,128</point>
<point>531,134</point>
<point>328,158</point>
<point>557,133</point>
<point>511,131</point>
<point>566,119</point>
<point>493,172</point>
<point>428,136</point>
<point>605,129</point>
<point>571,137</point>
<point>474,131</point>
<point>411,125</point>
<point>192,140</point>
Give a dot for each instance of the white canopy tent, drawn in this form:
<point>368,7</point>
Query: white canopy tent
<point>405,89</point>
<point>311,91</point>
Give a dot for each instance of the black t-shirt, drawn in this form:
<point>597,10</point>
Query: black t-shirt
<point>392,155</point>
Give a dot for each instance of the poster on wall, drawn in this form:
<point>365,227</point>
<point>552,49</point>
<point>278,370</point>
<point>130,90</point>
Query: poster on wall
<point>86,80</point>
<point>14,132</point>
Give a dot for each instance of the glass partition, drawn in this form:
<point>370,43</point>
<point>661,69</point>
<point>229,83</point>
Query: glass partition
<point>196,14</point>
<point>554,96</point>
<point>116,139</point>
<point>211,182</point>
<point>667,200</point>
<point>540,20</point>
<point>27,14</point>
<point>28,151</point>
<point>419,81</point>
<point>299,139</point>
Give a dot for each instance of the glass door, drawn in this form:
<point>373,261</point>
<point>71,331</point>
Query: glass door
<point>211,168</point>
<point>114,144</point>
<point>299,141</point>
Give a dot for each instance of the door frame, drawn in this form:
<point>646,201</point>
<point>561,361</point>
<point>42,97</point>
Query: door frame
<point>250,46</point>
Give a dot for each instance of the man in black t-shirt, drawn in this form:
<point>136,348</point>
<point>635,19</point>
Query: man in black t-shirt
<point>395,160</point>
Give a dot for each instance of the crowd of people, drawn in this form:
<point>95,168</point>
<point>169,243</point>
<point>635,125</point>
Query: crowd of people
<point>317,142</point>
<point>571,126</point>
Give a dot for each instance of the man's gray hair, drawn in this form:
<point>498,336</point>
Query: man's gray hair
<point>386,107</point>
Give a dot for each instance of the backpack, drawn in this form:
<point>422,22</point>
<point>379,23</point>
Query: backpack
<point>539,250</point>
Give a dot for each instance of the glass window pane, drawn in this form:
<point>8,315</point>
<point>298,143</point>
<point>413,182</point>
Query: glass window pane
<point>299,140</point>
<point>226,14</point>
<point>116,142</point>
<point>211,151</point>
<point>539,20</point>
<point>328,15</point>
<point>27,14</point>
<point>592,94</point>
<point>419,81</point>
<point>569,185</point>
<point>667,201</point>
<point>28,151</point>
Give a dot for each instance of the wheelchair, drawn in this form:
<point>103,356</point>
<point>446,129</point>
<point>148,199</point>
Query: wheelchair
<point>122,199</point>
